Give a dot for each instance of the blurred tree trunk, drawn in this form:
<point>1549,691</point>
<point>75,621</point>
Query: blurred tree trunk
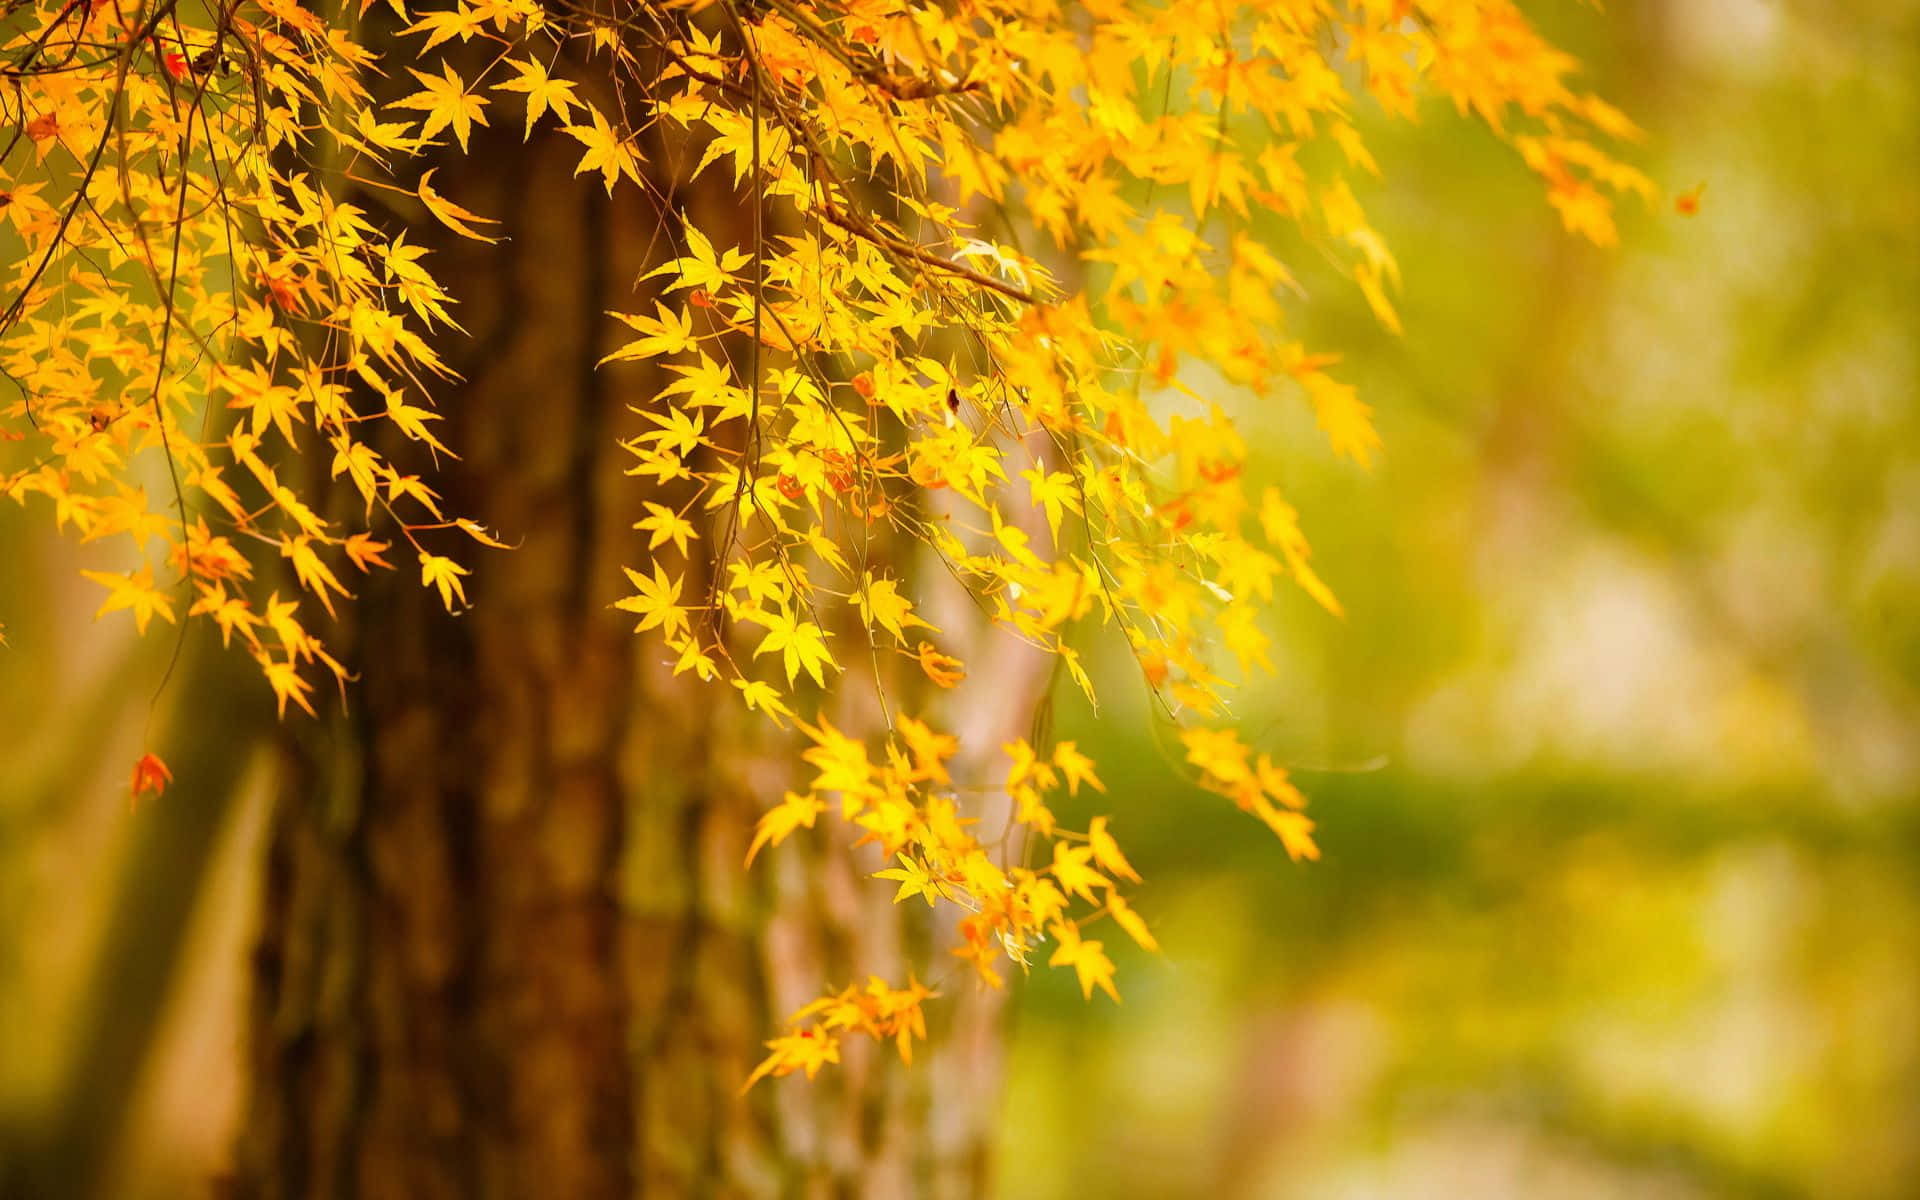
<point>508,947</point>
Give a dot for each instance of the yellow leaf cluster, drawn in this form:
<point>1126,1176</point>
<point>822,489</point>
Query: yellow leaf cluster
<point>991,368</point>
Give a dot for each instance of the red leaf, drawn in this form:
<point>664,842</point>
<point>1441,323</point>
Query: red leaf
<point>150,774</point>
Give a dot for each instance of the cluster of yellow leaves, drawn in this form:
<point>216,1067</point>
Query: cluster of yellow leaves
<point>193,310</point>
<point>905,804</point>
<point>881,1012</point>
<point>882,361</point>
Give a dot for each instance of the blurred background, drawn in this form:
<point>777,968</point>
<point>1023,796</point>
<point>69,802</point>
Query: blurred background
<point>1616,757</point>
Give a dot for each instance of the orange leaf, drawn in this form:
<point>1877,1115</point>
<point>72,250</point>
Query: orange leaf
<point>943,669</point>
<point>150,774</point>
<point>452,215</point>
<point>365,552</point>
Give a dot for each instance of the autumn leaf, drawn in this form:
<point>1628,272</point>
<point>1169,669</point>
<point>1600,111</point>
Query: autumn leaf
<point>807,1050</point>
<point>284,677</point>
<point>666,526</point>
<point>1075,876</point>
<point>364,552</point>
<point>802,645</point>
<point>1088,960</point>
<point>764,697</point>
<point>445,574</point>
<point>881,603</point>
<point>795,811</point>
<point>1129,920</point>
<point>1106,851</point>
<point>943,669</point>
<point>655,600</point>
<point>447,102</point>
<point>452,215</point>
<point>543,92</point>
<point>150,774</point>
<point>313,574</point>
<point>135,592</point>
<point>606,151</point>
<point>915,880</point>
<point>1076,767</point>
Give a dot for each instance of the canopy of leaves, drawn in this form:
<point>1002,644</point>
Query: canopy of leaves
<point>989,239</point>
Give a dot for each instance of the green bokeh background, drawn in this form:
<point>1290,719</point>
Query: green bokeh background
<point>1615,757</point>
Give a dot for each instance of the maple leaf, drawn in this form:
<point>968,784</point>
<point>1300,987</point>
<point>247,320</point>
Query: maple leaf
<point>411,420</point>
<point>287,685</point>
<point>807,1050</point>
<point>1342,417</point>
<point>930,750</point>
<point>1106,851</point>
<point>1088,960</point>
<point>1218,753</point>
<point>666,526</point>
<point>1129,920</point>
<point>1055,492</point>
<point>802,645</point>
<point>365,552</point>
<point>447,102</point>
<point>881,603</point>
<point>655,601</point>
<point>479,533</point>
<point>668,333</point>
<point>915,880</point>
<point>1077,768</point>
<point>444,573</point>
<point>795,811</point>
<point>314,575</point>
<point>376,135</point>
<point>230,613</point>
<point>544,93</point>
<point>1075,876</point>
<point>452,215</point>
<point>606,151</point>
<point>702,267</point>
<point>1281,525</point>
<point>149,774</point>
<point>679,433</point>
<point>135,592</point>
<point>943,669</point>
<point>460,21</point>
<point>764,697</point>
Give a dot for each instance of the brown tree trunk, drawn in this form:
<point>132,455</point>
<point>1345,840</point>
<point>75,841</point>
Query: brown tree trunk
<point>508,946</point>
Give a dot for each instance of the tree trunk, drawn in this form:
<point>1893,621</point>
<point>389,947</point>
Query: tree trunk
<point>508,946</point>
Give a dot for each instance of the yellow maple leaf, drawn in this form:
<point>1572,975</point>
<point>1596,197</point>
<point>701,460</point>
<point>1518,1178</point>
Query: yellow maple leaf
<point>1106,851</point>
<point>1129,920</point>
<point>544,93</point>
<point>447,102</point>
<point>1088,960</point>
<point>452,215</point>
<point>656,600</point>
<point>795,811</point>
<point>444,573</point>
<point>802,645</point>
<point>915,880</point>
<point>135,592</point>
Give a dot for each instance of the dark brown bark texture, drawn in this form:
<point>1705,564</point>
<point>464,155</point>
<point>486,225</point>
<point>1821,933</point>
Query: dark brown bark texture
<point>508,947</point>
